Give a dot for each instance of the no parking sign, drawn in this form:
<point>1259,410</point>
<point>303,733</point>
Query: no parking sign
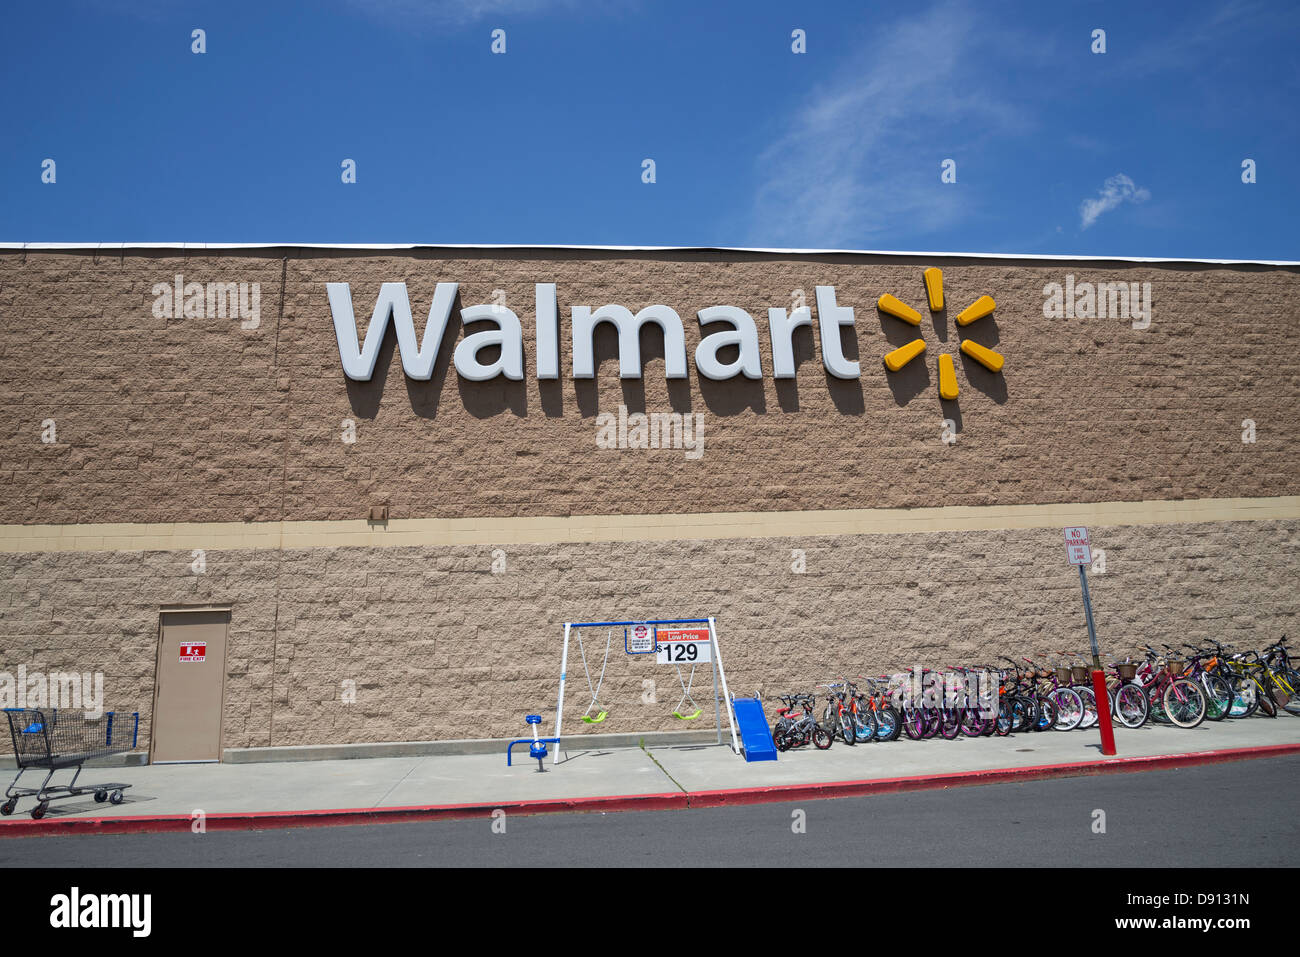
<point>1077,548</point>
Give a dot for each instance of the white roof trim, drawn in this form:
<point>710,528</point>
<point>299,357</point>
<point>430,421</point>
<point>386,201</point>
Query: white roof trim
<point>722,249</point>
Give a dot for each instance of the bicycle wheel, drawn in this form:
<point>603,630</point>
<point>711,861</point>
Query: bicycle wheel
<point>1264,695</point>
<point>913,721</point>
<point>864,726</point>
<point>1089,700</point>
<point>1292,678</point>
<point>1047,715</point>
<point>1007,718</point>
<point>1155,702</point>
<point>781,741</point>
<point>1130,707</point>
<point>1244,699</point>
<point>847,728</point>
<point>972,725</point>
<point>950,726</point>
<point>1069,709</point>
<point>1218,697</point>
<point>1028,717</point>
<point>1282,694</point>
<point>1184,703</point>
<point>821,738</point>
<point>888,725</point>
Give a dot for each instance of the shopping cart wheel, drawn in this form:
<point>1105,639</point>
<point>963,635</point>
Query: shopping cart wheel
<point>8,807</point>
<point>116,797</point>
<point>101,796</point>
<point>38,812</point>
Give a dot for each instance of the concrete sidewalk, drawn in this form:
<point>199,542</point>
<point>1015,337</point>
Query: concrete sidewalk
<point>613,779</point>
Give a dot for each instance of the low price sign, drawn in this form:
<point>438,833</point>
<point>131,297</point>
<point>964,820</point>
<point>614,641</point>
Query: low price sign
<point>683,646</point>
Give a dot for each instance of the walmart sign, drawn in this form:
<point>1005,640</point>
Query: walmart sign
<point>419,352</point>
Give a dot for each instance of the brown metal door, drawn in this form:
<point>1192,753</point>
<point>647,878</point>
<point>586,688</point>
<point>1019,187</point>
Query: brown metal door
<point>188,695</point>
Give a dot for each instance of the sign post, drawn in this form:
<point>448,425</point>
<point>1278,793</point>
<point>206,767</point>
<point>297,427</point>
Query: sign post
<point>1079,552</point>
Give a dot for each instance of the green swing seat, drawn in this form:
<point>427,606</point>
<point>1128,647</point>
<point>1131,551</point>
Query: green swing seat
<point>595,689</point>
<point>688,717</point>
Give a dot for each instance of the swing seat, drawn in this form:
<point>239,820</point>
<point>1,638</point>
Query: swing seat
<point>688,717</point>
<point>596,720</point>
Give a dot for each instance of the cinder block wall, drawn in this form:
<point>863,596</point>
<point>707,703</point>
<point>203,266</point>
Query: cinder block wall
<point>197,420</point>
<point>164,420</point>
<point>441,647</point>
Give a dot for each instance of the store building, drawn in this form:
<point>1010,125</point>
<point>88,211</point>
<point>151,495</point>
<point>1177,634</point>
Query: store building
<point>265,533</point>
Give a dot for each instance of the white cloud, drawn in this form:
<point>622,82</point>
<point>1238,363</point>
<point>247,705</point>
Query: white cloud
<point>861,156</point>
<point>1115,191</point>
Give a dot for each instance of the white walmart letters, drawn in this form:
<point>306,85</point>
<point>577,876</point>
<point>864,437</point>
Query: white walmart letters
<point>419,352</point>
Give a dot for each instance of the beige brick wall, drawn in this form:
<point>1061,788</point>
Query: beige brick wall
<point>197,420</point>
<point>441,648</point>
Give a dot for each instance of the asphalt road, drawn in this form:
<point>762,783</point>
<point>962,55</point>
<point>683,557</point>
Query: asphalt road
<point>1240,814</point>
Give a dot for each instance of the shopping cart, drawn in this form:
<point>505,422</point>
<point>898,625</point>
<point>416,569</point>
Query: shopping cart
<point>53,740</point>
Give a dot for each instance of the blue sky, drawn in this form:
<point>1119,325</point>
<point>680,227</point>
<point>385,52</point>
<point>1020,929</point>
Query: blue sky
<point>1058,150</point>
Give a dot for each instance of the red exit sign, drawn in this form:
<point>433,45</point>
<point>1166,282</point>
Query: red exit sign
<point>194,651</point>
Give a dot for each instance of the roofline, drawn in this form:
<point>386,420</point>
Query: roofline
<point>721,249</point>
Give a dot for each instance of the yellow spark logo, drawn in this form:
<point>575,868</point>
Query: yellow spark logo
<point>981,307</point>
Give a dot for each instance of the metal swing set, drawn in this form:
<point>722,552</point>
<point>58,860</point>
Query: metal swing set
<point>603,713</point>
<point>640,645</point>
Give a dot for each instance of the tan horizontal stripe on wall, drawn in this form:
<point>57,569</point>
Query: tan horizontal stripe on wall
<point>614,528</point>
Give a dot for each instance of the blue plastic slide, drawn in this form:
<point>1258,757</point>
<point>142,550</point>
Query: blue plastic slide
<point>754,732</point>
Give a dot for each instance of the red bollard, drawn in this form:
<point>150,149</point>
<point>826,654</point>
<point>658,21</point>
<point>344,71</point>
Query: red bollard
<point>1103,712</point>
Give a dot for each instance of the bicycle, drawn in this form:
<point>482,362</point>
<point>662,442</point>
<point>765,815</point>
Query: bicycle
<point>1016,710</point>
<point>1128,700</point>
<point>1081,684</point>
<point>864,719</point>
<point>1173,698</point>
<point>918,721</point>
<point>1047,712</point>
<point>1245,699</point>
<point>797,731</point>
<point>971,720</point>
<point>1283,675</point>
<point>838,717</point>
<point>950,716</point>
<point>1068,701</point>
<point>888,724</point>
<point>1255,687</point>
<point>1218,693</point>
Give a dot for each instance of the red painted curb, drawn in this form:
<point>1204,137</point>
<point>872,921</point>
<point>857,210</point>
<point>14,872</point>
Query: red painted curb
<point>675,801</point>
<point>268,820</point>
<point>796,792</point>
